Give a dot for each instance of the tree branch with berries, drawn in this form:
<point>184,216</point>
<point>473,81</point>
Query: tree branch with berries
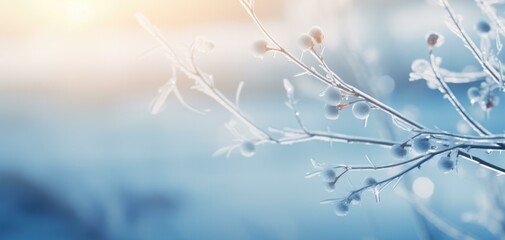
<point>339,95</point>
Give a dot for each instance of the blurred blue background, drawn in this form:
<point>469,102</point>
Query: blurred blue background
<point>81,157</point>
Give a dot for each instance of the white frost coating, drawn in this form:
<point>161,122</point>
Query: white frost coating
<point>288,87</point>
<point>239,91</point>
<point>443,142</point>
<point>159,101</point>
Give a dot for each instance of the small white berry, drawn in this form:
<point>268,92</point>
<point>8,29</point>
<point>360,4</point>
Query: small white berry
<point>331,112</point>
<point>305,42</point>
<point>421,145</point>
<point>333,96</point>
<point>317,34</point>
<point>341,208</point>
<point>247,149</point>
<point>361,110</point>
<point>260,48</point>
<point>483,27</point>
<point>370,181</point>
<point>398,151</point>
<point>446,164</point>
<point>328,175</point>
<point>435,40</point>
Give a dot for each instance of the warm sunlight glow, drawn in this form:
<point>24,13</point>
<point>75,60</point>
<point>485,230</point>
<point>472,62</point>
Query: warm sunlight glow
<point>28,18</point>
<point>78,13</point>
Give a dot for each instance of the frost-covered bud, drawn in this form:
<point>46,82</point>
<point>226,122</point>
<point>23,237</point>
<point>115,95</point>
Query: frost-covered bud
<point>333,96</point>
<point>473,94</point>
<point>341,208</point>
<point>330,186</point>
<point>260,48</point>
<point>398,151</point>
<point>305,42</point>
<point>432,85</point>
<point>446,164</point>
<point>421,145</point>
<point>328,175</point>
<point>247,149</point>
<point>361,110</point>
<point>370,181</point>
<point>355,199</point>
<point>483,27</point>
<point>435,40</point>
<point>206,46</point>
<point>420,65</point>
<point>331,112</point>
<point>317,34</point>
<point>489,102</point>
